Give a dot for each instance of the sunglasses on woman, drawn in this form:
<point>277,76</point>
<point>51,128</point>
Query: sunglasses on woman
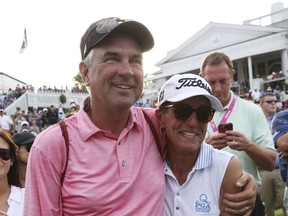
<point>183,111</point>
<point>5,154</point>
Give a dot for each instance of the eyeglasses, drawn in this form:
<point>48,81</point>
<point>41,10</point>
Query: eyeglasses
<point>183,111</point>
<point>5,154</point>
<point>270,101</point>
<point>27,146</point>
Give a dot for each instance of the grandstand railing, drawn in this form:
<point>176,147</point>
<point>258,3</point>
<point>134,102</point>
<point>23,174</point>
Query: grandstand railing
<point>44,99</point>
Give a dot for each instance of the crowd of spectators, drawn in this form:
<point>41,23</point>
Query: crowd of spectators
<point>44,88</point>
<point>11,95</point>
<point>36,119</point>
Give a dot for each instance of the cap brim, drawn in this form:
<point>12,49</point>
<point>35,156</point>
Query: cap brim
<point>27,141</point>
<point>215,103</point>
<point>137,31</point>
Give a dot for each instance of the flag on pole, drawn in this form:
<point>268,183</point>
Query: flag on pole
<point>24,43</point>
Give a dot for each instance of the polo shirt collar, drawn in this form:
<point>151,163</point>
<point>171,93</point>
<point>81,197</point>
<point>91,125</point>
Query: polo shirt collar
<point>230,101</point>
<point>204,158</point>
<point>88,129</point>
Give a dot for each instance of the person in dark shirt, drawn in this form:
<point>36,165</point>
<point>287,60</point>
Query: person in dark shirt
<point>52,115</point>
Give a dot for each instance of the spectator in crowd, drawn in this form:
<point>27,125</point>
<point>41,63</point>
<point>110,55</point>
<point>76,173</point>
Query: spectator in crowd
<point>77,90</point>
<point>6,123</point>
<point>11,191</point>
<point>2,104</point>
<point>34,115</point>
<point>18,111</point>
<point>25,126</point>
<point>52,115</point>
<point>184,113</point>
<point>34,127</point>
<point>24,141</point>
<point>250,139</point>
<point>138,104</point>
<point>72,109</point>
<point>272,187</point>
<point>256,95</point>
<point>280,136</point>
<point>268,105</point>
<point>147,104</point>
<point>18,119</point>
<point>130,178</point>
<point>44,119</point>
<point>61,114</point>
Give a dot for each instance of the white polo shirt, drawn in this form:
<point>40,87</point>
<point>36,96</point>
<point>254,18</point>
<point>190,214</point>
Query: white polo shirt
<point>200,194</point>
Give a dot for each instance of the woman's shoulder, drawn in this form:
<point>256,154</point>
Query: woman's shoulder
<point>17,194</point>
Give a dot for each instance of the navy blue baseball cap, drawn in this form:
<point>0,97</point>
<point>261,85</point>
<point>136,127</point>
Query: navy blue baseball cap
<point>23,138</point>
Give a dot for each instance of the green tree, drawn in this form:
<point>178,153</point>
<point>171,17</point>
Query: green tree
<point>78,82</point>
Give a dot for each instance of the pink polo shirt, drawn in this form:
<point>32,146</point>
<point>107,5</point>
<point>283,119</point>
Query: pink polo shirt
<point>105,175</point>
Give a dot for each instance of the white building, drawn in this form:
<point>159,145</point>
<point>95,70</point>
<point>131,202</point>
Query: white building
<point>258,48</point>
<point>7,82</point>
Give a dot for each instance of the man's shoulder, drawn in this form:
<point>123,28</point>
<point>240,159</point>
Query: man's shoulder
<point>146,115</point>
<point>151,112</point>
<point>248,104</point>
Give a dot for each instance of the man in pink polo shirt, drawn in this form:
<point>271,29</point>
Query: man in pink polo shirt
<point>113,164</point>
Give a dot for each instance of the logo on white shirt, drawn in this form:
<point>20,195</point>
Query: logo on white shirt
<point>203,205</point>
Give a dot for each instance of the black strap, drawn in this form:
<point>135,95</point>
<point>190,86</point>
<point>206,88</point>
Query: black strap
<point>66,138</point>
<point>154,132</point>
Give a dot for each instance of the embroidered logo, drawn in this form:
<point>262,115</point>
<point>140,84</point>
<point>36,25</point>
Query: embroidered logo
<point>203,205</point>
<point>194,82</point>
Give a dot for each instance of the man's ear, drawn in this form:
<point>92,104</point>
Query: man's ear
<point>160,118</point>
<point>84,71</point>
<point>233,73</point>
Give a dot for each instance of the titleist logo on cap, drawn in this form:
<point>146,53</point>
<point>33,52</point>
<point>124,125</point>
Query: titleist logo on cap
<point>179,86</point>
<point>194,82</point>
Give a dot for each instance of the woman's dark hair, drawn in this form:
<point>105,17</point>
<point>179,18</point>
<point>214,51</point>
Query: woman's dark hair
<point>13,177</point>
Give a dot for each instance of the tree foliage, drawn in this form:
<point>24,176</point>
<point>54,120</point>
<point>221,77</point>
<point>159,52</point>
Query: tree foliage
<point>78,82</point>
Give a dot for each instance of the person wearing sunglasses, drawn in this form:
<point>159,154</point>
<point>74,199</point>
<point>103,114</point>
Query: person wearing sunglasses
<point>268,102</point>
<point>272,187</point>
<point>24,141</point>
<point>11,191</point>
<point>186,106</point>
<point>250,139</point>
<point>113,163</point>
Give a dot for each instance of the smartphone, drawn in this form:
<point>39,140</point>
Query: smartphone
<point>224,127</point>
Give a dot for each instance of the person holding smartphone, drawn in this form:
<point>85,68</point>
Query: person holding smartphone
<point>250,139</point>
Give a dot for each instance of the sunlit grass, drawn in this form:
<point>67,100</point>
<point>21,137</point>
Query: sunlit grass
<point>278,212</point>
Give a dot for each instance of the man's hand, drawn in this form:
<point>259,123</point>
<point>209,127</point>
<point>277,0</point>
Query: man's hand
<point>217,140</point>
<point>2,213</point>
<point>283,154</point>
<point>243,202</point>
<point>238,141</point>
